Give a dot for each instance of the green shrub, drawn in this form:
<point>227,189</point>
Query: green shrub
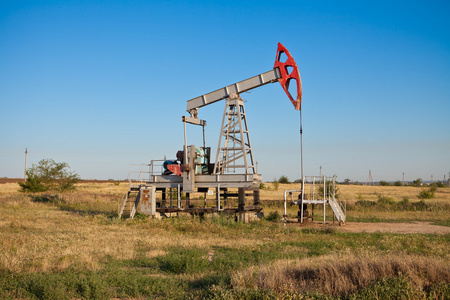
<point>346,181</point>
<point>421,206</point>
<point>427,193</point>
<point>385,201</point>
<point>417,182</point>
<point>283,179</point>
<point>276,184</point>
<point>404,204</point>
<point>273,216</point>
<point>365,203</point>
<point>440,184</point>
<point>329,187</point>
<point>49,175</point>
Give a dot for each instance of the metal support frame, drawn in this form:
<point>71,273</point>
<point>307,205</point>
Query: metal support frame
<point>236,152</point>
<point>236,88</point>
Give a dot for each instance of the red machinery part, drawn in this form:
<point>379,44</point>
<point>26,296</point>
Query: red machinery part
<point>175,169</point>
<point>289,71</point>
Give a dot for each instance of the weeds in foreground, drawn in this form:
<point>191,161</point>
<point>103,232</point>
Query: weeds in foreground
<point>341,276</point>
<point>81,203</point>
<point>386,203</point>
<point>327,277</point>
<point>69,246</point>
<point>427,193</point>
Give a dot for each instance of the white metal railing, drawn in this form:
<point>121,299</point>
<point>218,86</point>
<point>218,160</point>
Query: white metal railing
<point>143,173</point>
<point>121,205</point>
<point>317,190</point>
<point>139,173</point>
<point>342,203</point>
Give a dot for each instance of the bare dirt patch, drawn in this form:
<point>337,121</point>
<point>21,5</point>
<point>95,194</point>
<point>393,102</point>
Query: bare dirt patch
<point>414,227</point>
<point>11,180</point>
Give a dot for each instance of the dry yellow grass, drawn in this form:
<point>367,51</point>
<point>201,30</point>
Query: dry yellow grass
<point>340,275</point>
<point>7,189</point>
<point>53,240</point>
<point>38,236</point>
<point>353,193</point>
<point>104,188</point>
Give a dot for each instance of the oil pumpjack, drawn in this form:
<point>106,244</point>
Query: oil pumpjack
<point>171,189</point>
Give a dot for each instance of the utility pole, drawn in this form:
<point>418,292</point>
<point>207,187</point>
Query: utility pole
<point>431,178</point>
<point>26,157</point>
<point>301,146</point>
<point>320,172</point>
<point>403,180</point>
<point>369,178</point>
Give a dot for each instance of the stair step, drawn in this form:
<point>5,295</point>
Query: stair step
<point>129,205</point>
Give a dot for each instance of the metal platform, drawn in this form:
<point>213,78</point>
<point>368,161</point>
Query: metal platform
<point>207,181</point>
<point>154,194</point>
<point>317,190</point>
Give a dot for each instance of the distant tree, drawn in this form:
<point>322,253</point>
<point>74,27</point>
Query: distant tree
<point>384,183</point>
<point>398,183</point>
<point>49,175</point>
<point>440,184</point>
<point>283,179</point>
<point>346,181</point>
<point>417,182</point>
<point>329,187</point>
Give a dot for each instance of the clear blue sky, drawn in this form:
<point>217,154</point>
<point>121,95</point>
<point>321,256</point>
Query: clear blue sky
<point>103,84</point>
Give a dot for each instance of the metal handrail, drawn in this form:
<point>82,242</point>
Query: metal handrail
<point>342,203</point>
<point>310,195</point>
<point>145,172</point>
<point>285,201</point>
<point>121,205</point>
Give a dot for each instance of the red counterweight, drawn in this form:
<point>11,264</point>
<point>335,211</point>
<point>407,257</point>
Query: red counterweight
<point>289,71</point>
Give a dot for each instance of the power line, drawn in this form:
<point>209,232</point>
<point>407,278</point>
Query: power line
<point>26,157</point>
<point>369,178</point>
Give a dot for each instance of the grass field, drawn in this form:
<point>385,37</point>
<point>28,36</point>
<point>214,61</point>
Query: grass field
<point>72,245</point>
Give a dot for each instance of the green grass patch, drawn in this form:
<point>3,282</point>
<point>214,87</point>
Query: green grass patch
<point>89,207</point>
<point>187,273</point>
<point>441,222</point>
<point>390,288</point>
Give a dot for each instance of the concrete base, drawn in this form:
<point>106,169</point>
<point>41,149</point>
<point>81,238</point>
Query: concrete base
<point>247,217</point>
